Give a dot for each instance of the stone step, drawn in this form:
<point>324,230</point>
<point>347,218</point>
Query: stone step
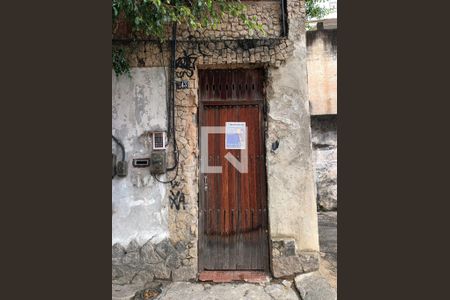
<point>230,276</point>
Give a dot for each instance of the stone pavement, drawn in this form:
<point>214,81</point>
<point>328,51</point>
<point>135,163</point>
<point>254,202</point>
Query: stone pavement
<point>206,291</point>
<point>328,246</point>
<point>227,291</point>
<point>310,286</point>
<point>319,285</point>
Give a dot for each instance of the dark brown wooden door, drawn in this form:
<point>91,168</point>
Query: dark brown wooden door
<point>233,211</point>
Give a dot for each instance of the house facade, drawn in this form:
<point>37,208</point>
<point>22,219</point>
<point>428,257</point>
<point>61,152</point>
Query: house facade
<point>322,86</point>
<point>216,132</point>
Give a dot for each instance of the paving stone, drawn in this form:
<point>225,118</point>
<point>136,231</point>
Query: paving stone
<point>286,283</point>
<point>124,292</point>
<point>328,231</point>
<point>149,292</point>
<point>279,291</point>
<point>312,286</point>
<point>227,291</point>
<point>328,245</point>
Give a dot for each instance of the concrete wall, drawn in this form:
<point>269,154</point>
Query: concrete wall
<point>151,240</point>
<point>144,234</point>
<point>290,168</point>
<point>291,188</point>
<point>290,171</point>
<point>322,71</point>
<point>138,107</point>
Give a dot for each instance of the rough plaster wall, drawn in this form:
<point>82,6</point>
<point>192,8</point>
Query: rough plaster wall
<point>138,106</point>
<point>291,188</point>
<point>324,141</point>
<point>322,71</point>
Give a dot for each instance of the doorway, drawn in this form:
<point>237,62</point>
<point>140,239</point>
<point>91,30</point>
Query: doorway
<point>233,223</point>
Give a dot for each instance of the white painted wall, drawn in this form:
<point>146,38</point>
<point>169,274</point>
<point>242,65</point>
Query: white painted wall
<point>139,208</point>
<point>322,71</point>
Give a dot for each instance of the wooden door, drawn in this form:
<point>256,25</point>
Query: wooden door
<point>233,231</point>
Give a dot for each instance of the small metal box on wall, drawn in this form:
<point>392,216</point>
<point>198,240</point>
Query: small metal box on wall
<point>158,162</point>
<point>159,140</point>
<point>158,155</point>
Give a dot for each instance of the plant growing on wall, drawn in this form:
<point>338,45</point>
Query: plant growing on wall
<point>153,17</point>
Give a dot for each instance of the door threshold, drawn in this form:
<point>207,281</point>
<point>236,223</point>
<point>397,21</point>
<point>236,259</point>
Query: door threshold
<point>230,276</point>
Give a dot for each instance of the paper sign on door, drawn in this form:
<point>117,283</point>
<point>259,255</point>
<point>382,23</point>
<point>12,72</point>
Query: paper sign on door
<point>235,135</point>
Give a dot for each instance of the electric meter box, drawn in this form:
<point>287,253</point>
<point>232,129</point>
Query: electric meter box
<point>158,162</point>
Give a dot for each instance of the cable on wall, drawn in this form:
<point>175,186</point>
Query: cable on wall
<point>171,110</point>
<point>120,146</point>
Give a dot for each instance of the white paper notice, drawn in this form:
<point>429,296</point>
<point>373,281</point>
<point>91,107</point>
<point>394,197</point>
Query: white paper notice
<point>235,135</point>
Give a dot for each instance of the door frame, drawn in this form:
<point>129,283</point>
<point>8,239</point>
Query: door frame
<point>264,128</point>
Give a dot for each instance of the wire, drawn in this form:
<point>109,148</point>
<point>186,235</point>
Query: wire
<point>171,111</point>
<point>176,166</point>
<point>168,108</point>
<point>121,147</point>
<point>172,131</point>
<point>169,181</point>
<point>168,95</point>
<point>203,40</point>
<point>176,156</point>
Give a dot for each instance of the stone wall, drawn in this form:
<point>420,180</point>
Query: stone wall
<point>291,197</point>
<point>324,141</point>
<point>322,71</point>
<point>267,13</point>
<point>229,43</point>
<point>271,52</point>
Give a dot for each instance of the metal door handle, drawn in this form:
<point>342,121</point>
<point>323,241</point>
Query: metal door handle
<point>205,182</point>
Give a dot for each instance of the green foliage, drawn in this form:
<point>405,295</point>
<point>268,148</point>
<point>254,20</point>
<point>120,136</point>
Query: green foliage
<point>314,10</point>
<point>153,17</point>
<point>119,61</point>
